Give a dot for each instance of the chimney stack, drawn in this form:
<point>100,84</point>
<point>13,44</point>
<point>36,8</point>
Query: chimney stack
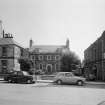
<point>67,43</point>
<point>31,43</point>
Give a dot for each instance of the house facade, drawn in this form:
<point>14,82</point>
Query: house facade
<point>47,58</point>
<point>10,52</point>
<point>94,58</point>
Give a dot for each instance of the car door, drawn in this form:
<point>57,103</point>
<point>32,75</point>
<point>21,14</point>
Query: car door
<point>14,76</point>
<point>19,77</point>
<point>25,76</point>
<point>69,78</point>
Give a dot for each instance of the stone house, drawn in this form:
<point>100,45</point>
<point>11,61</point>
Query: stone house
<point>10,52</point>
<point>47,58</point>
<point>94,58</point>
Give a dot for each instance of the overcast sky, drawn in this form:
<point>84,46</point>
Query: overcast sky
<point>51,22</point>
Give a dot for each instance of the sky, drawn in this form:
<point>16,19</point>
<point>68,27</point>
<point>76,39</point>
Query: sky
<point>51,22</point>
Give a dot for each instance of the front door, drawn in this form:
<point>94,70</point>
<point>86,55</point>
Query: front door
<point>49,69</point>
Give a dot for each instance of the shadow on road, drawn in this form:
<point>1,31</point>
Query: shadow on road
<point>96,86</point>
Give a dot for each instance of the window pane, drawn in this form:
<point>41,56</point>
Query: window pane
<point>4,51</point>
<point>20,73</point>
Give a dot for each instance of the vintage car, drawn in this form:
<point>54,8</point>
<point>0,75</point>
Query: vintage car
<point>69,78</point>
<point>19,77</point>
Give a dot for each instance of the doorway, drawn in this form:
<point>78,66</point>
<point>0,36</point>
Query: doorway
<point>49,69</point>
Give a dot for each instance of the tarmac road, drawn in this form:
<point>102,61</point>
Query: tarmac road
<point>49,94</point>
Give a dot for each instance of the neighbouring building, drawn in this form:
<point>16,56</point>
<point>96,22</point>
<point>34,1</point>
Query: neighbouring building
<point>94,58</point>
<point>10,52</point>
<point>47,58</point>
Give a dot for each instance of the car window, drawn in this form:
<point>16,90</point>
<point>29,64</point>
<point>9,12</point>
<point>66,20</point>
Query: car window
<point>61,74</point>
<point>68,75</point>
<point>25,73</point>
<point>19,73</point>
<point>15,73</point>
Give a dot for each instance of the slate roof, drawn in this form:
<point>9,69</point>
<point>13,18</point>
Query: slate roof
<point>46,48</point>
<point>9,41</point>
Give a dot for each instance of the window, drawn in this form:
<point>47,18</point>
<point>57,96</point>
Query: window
<point>57,57</point>
<point>68,75</point>
<point>41,66</point>
<point>33,57</point>
<point>4,51</point>
<point>49,57</point>
<point>54,57</point>
<point>22,52</point>
<point>15,73</point>
<point>19,73</point>
<point>60,75</point>
<point>4,66</point>
<point>45,57</point>
<point>40,57</point>
<point>25,73</point>
<point>4,62</point>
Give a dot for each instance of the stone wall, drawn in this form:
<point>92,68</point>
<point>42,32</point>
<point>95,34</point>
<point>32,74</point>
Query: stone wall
<point>17,52</point>
<point>10,65</point>
<point>16,65</point>
<point>95,56</point>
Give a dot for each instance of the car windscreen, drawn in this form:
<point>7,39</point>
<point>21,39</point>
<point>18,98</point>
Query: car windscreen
<point>25,73</point>
<point>60,74</point>
<point>68,74</point>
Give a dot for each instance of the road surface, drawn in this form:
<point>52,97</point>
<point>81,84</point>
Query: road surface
<point>48,94</point>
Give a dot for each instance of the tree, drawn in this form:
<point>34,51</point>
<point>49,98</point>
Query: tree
<point>25,64</point>
<point>69,62</point>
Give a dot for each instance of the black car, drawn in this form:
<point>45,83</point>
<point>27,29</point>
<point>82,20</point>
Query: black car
<point>19,77</point>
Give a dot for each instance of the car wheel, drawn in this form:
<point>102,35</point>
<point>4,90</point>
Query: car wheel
<point>9,80</point>
<point>80,83</point>
<point>59,82</point>
<point>29,81</point>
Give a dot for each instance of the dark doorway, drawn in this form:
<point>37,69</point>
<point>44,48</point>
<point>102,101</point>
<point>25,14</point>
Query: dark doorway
<point>49,69</point>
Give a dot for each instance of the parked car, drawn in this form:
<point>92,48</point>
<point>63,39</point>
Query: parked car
<point>19,77</point>
<point>68,77</point>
